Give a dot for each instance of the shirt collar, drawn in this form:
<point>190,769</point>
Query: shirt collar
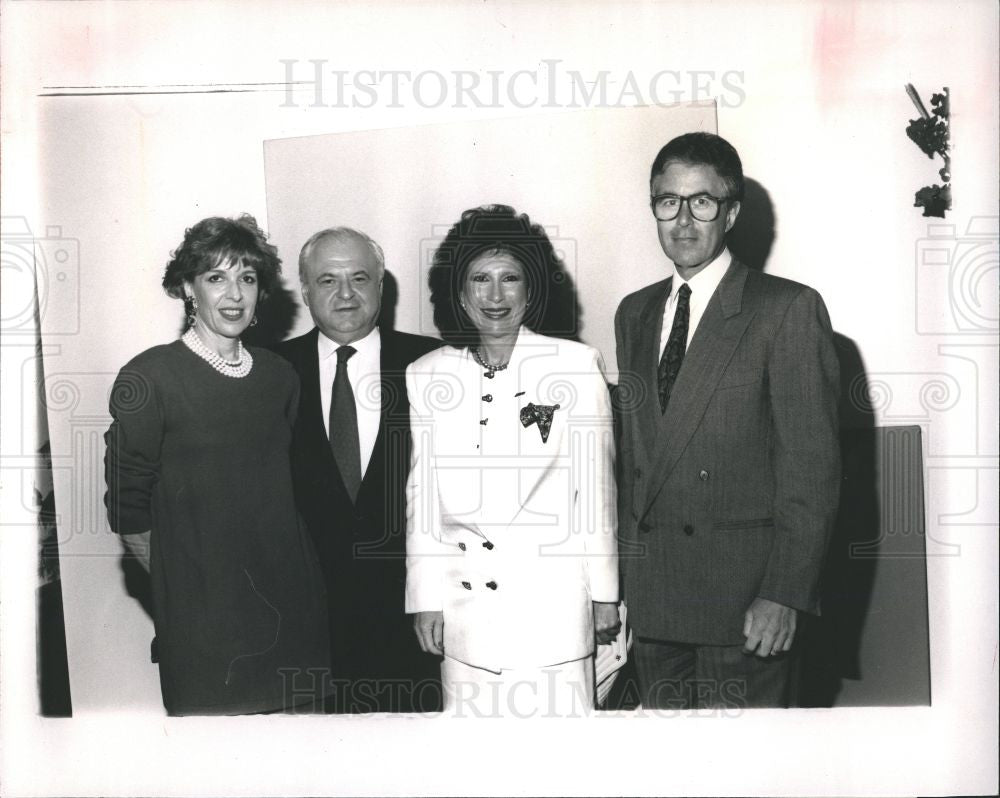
<point>707,280</point>
<point>367,347</point>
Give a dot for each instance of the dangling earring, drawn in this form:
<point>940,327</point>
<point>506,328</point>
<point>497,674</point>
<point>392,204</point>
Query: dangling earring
<point>253,321</point>
<point>190,306</point>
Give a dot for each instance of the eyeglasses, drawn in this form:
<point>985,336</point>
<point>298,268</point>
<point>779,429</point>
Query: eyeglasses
<point>703,207</point>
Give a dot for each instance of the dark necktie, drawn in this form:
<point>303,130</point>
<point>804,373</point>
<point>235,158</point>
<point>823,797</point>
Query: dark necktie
<point>673,352</point>
<point>344,425</point>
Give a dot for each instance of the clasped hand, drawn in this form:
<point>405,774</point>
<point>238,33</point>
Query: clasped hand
<point>607,623</point>
<point>429,627</point>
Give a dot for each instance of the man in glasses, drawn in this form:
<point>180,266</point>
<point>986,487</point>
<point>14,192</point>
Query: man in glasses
<point>729,456</point>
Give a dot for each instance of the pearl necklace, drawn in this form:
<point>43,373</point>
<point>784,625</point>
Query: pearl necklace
<point>237,369</point>
<point>491,370</point>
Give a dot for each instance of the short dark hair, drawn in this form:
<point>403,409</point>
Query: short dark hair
<point>218,240</point>
<point>492,230</point>
<point>705,149</point>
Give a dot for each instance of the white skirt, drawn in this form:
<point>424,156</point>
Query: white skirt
<point>565,690</point>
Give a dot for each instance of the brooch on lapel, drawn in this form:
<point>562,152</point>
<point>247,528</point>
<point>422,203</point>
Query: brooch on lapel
<point>540,415</point>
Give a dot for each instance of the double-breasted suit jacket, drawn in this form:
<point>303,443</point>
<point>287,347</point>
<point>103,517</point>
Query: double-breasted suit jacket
<point>510,535</point>
<point>360,544</point>
<point>731,493</point>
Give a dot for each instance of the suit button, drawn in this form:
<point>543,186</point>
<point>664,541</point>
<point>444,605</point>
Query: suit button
<point>703,475</point>
<point>488,546</point>
<point>461,546</point>
<point>643,526</point>
<point>637,473</point>
<point>491,585</point>
<point>467,585</point>
<point>688,530</point>
<point>488,397</point>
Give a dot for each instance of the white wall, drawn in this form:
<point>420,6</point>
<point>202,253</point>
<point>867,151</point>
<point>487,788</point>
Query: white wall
<point>820,125</point>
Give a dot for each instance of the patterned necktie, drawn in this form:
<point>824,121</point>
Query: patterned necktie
<point>673,352</point>
<point>344,425</point>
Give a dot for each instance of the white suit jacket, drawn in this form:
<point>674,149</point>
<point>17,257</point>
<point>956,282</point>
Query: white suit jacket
<point>511,536</point>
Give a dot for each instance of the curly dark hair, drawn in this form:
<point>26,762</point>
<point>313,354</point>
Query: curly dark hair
<point>705,149</point>
<point>218,240</point>
<point>499,230</point>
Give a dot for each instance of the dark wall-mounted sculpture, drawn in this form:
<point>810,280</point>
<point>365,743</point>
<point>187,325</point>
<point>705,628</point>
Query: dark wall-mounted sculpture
<point>931,133</point>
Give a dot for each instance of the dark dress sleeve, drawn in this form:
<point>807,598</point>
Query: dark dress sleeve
<point>294,395</point>
<point>132,458</point>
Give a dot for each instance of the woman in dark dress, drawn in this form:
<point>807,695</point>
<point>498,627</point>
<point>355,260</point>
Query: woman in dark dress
<point>199,486</point>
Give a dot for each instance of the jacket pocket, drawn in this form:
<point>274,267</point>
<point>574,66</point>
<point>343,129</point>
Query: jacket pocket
<point>737,378</point>
<point>750,523</point>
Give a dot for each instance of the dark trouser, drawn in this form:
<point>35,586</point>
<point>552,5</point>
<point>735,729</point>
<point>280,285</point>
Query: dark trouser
<point>384,674</point>
<point>383,694</point>
<point>687,676</point>
<point>377,664</point>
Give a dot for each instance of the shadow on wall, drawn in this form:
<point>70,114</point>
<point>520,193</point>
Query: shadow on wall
<point>830,645</point>
<point>871,646</point>
<point>563,316</point>
<point>275,319</point>
<point>390,300</point>
<point>752,237</point>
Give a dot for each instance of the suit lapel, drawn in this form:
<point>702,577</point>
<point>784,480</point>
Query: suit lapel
<point>719,333</point>
<point>388,378</point>
<point>528,347</point>
<point>390,448</point>
<point>311,404</point>
<point>646,363</point>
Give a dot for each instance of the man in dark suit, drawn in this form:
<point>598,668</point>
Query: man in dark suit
<point>729,449</point>
<point>350,458</point>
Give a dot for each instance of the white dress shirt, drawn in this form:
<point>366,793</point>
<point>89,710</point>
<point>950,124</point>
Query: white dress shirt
<point>702,286</point>
<point>365,372</point>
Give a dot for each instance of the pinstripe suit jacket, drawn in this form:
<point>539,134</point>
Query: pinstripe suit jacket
<point>731,494</point>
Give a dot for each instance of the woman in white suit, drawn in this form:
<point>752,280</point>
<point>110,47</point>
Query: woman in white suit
<point>512,567</point>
